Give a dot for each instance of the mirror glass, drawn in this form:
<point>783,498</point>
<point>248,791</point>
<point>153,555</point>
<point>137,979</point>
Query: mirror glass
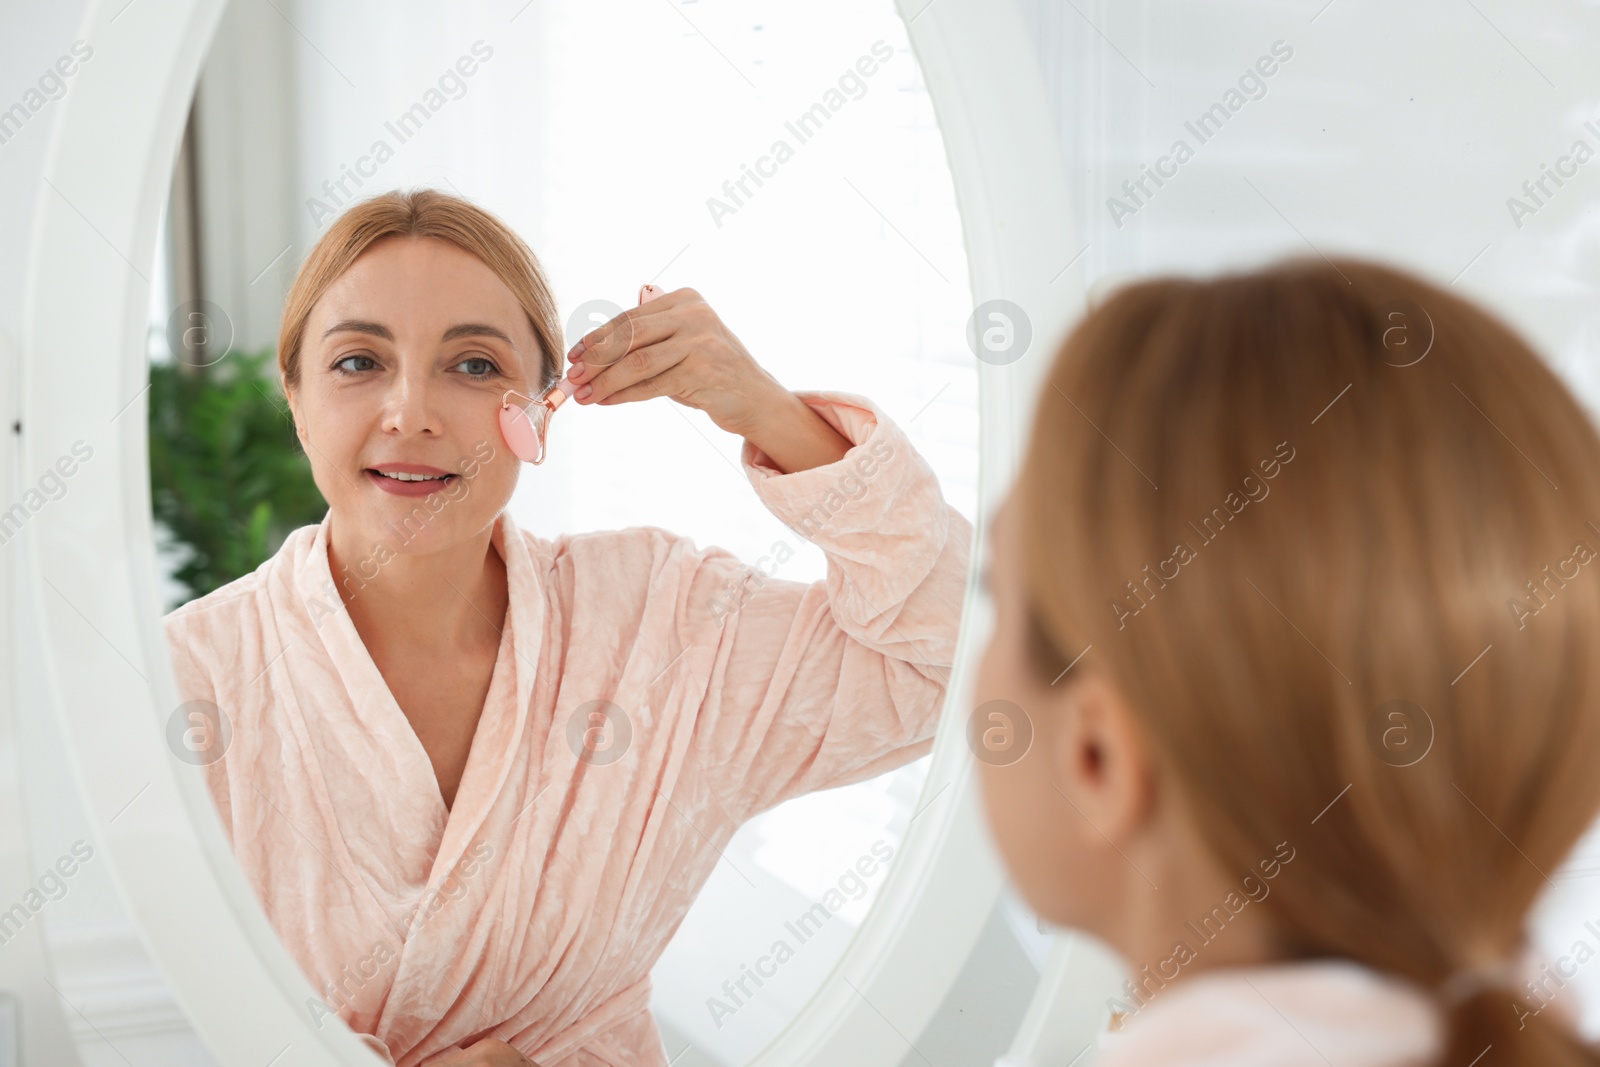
<point>783,161</point>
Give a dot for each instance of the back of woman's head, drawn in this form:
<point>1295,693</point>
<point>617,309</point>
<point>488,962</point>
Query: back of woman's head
<point>1330,529</point>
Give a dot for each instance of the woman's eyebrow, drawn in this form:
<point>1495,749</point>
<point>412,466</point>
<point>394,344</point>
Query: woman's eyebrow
<point>377,329</point>
<point>476,329</point>
<point>359,326</point>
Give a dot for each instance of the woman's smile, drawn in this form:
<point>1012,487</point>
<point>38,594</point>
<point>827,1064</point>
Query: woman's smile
<point>409,479</point>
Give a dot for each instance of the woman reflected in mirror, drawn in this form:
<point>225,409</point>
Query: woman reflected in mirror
<point>476,776</point>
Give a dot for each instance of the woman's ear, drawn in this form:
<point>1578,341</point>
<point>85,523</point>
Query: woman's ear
<point>1101,762</point>
<point>294,411</point>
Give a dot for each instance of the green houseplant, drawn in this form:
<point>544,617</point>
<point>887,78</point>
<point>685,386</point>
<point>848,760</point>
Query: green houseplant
<point>228,479</point>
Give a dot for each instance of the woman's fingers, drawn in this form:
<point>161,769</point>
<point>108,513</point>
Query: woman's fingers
<point>674,346</point>
<point>604,345</point>
<point>646,324</point>
<point>643,373</point>
<point>640,345</point>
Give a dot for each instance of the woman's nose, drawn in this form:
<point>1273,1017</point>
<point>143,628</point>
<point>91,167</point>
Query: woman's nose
<point>409,408</point>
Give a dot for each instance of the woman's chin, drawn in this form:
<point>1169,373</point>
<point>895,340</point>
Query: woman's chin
<point>398,526</point>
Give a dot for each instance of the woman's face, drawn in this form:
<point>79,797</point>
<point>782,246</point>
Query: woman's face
<point>403,365</point>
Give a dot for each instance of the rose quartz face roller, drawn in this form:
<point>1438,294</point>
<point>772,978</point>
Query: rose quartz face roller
<point>525,424</point>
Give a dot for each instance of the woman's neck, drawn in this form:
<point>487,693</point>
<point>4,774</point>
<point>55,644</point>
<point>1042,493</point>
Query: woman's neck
<point>452,600</point>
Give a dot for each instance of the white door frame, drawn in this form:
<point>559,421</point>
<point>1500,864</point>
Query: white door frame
<point>92,552</point>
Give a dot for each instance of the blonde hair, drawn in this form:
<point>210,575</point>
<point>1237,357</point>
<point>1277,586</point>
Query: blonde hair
<point>1273,503</point>
<point>423,213</point>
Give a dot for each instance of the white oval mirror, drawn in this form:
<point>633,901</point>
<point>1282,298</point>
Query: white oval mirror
<point>864,218</point>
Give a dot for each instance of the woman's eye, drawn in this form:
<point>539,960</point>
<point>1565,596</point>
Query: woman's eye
<point>339,364</point>
<point>484,366</point>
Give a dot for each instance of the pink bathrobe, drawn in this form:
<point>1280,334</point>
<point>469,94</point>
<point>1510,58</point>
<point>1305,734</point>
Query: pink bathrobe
<point>702,692</point>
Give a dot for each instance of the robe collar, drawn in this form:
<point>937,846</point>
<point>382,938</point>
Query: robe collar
<point>496,744</point>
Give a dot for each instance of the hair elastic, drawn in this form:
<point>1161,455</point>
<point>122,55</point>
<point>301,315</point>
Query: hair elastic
<point>1466,982</point>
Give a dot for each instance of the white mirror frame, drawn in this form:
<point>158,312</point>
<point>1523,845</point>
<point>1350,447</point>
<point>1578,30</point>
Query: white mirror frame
<point>91,562</point>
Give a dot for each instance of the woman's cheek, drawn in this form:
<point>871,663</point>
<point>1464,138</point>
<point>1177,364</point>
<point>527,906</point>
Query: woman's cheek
<point>496,479</point>
<point>1005,803</point>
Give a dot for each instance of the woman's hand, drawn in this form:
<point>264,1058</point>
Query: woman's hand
<point>674,345</point>
<point>486,1053</point>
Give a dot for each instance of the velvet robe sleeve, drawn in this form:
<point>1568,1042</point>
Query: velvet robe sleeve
<point>823,684</point>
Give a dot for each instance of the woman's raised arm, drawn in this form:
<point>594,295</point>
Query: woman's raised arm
<point>815,685</point>
<point>810,685</point>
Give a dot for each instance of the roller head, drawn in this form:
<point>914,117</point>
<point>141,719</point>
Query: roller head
<point>518,427</point>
